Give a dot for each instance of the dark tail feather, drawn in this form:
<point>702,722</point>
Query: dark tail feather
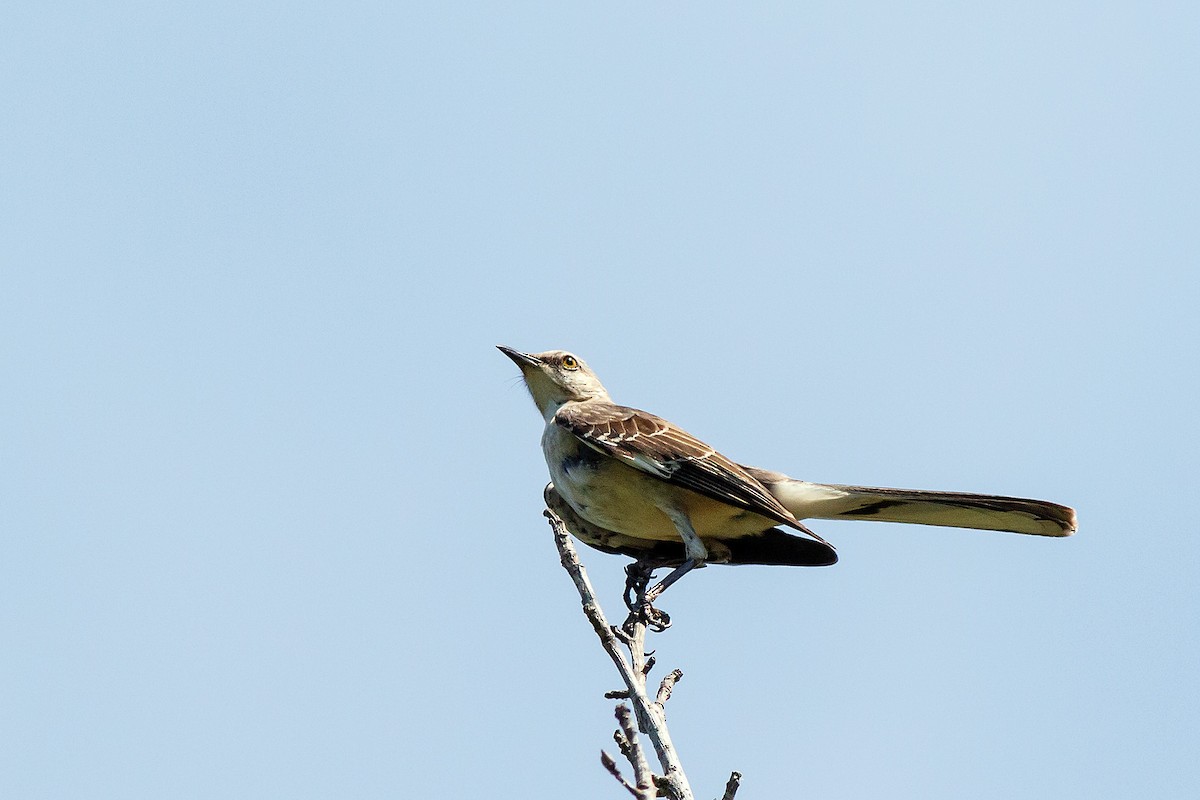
<point>777,547</point>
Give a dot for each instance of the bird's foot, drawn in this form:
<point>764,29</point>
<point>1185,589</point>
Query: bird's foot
<point>641,610</point>
<point>654,619</point>
<point>637,578</point>
<point>640,600</point>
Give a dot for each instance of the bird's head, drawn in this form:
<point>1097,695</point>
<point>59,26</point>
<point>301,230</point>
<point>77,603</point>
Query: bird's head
<point>556,377</point>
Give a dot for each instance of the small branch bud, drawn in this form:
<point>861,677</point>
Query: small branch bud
<point>735,780</point>
<point>611,766</point>
<point>667,686</point>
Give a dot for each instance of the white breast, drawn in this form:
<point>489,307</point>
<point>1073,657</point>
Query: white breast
<point>604,491</point>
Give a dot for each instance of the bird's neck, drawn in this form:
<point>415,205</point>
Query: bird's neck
<point>550,406</point>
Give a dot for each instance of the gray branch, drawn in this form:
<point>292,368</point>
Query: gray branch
<point>651,718</point>
<point>627,740</point>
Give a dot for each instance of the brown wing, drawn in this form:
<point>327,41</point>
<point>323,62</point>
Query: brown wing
<point>655,446</point>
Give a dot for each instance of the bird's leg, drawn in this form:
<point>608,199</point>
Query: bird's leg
<point>642,608</point>
<point>637,579</point>
<point>638,575</point>
<point>683,569</point>
<point>693,548</point>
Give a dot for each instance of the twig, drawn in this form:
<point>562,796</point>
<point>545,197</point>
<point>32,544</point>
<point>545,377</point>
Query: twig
<point>649,715</point>
<point>623,743</point>
<point>667,686</point>
<point>615,771</point>
<point>634,752</point>
<point>735,780</point>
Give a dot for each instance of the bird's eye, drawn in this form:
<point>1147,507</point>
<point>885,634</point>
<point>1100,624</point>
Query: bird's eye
<point>570,362</point>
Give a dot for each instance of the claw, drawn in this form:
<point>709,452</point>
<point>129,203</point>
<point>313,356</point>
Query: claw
<point>640,600</point>
<point>646,614</point>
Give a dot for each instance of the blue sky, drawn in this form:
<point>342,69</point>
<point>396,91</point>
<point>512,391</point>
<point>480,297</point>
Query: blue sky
<point>270,500</point>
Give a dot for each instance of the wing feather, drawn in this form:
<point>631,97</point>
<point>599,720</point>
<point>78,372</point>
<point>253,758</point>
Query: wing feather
<point>655,446</point>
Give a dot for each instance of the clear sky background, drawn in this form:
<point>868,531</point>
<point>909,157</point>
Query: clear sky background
<point>270,500</point>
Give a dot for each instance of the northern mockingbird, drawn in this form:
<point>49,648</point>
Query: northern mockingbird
<point>625,481</point>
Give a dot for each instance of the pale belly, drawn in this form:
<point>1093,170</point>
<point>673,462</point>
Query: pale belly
<point>626,500</point>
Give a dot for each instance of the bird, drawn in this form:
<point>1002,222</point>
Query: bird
<point>628,482</point>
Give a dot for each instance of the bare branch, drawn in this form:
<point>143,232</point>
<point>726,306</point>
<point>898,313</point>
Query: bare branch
<point>649,715</point>
<point>634,752</point>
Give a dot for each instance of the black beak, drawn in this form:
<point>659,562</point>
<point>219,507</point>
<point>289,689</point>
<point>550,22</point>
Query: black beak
<point>520,359</point>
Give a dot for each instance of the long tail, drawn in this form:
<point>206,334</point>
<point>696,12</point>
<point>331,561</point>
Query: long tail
<point>949,509</point>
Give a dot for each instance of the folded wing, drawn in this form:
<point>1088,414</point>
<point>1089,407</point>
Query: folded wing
<point>655,446</point>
